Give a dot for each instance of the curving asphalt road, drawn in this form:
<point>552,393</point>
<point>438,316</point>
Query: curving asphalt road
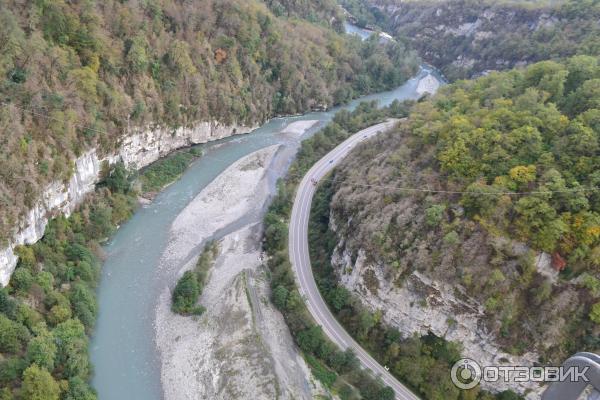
<point>299,256</point>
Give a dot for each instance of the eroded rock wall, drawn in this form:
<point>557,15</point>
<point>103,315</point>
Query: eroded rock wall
<point>467,38</point>
<point>419,305</point>
<point>136,150</point>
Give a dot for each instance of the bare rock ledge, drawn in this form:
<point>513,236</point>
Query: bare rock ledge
<point>137,150</point>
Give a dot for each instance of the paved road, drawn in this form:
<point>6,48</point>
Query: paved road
<point>298,246</point>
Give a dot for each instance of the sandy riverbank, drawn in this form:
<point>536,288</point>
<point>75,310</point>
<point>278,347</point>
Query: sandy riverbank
<point>241,347</point>
<point>429,84</point>
<point>233,194</point>
<point>297,128</point>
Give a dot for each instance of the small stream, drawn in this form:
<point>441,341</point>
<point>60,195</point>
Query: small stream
<point>123,350</point>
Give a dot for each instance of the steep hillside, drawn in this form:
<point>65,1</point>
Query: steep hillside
<point>49,309</point>
<point>469,37</point>
<point>79,74</point>
<point>326,12</point>
<point>479,218</point>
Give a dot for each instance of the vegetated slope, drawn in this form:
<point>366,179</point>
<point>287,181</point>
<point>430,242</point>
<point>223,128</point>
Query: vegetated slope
<point>79,74</point>
<point>467,37</point>
<point>49,309</point>
<point>422,362</point>
<point>525,147</point>
<point>321,11</point>
<point>365,14</point>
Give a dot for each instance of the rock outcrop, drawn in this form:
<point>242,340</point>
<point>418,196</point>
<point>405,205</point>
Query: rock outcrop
<point>420,305</point>
<point>136,150</point>
<point>467,38</point>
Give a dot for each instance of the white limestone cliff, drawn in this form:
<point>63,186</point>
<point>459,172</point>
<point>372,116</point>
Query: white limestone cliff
<point>421,305</point>
<point>136,150</point>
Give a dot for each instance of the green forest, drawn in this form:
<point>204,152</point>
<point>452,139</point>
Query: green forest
<point>509,164</point>
<point>81,74</point>
<point>166,170</point>
<point>413,360</point>
<point>49,308</point>
<point>501,170</point>
<point>189,287</point>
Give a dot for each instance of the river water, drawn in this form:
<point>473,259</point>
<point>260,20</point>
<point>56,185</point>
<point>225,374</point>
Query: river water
<point>356,30</point>
<point>123,350</point>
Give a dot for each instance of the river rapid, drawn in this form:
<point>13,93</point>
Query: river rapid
<point>123,349</point>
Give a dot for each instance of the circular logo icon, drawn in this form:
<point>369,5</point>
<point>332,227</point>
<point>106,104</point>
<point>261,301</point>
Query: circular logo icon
<point>466,374</point>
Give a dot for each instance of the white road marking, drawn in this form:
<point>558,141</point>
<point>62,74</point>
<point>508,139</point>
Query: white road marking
<point>299,257</point>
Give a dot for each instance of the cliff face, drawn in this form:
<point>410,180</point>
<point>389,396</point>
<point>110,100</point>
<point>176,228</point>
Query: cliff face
<point>458,37</point>
<point>466,38</point>
<point>418,304</point>
<point>137,150</point>
<point>437,228</point>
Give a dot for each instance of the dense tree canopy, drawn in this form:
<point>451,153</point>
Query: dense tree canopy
<point>76,74</point>
<point>513,161</point>
<point>38,384</point>
<point>189,287</point>
<point>533,132</point>
<point>49,308</point>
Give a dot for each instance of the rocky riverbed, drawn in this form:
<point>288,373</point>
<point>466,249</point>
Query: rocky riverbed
<point>428,84</point>
<point>240,347</point>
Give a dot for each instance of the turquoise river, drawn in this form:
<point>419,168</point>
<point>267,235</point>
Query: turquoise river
<point>123,351</point>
